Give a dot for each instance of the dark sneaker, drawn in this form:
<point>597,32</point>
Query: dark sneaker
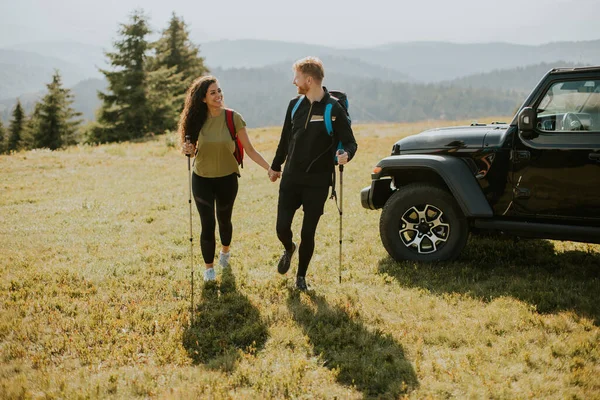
<point>301,283</point>
<point>286,260</point>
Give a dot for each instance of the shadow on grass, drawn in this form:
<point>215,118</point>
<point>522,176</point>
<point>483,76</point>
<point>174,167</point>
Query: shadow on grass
<point>372,362</point>
<point>225,322</point>
<point>529,270</point>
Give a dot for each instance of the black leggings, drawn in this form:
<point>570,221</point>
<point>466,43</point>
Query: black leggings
<point>207,192</point>
<point>312,200</point>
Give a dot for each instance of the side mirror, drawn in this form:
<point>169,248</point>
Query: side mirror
<point>526,123</point>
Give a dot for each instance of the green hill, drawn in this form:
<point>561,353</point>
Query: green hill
<point>95,293</point>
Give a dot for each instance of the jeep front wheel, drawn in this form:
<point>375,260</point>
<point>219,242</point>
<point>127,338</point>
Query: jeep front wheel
<point>423,223</point>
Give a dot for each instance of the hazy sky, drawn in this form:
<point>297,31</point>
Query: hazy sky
<point>339,23</point>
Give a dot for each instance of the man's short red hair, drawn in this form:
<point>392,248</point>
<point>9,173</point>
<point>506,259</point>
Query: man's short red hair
<point>310,66</point>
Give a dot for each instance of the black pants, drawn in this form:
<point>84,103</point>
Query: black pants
<point>207,192</point>
<point>312,200</point>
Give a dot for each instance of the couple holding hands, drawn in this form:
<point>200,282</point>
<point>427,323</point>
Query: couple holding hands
<point>306,147</point>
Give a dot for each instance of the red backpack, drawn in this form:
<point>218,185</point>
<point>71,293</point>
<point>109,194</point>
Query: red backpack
<point>239,149</point>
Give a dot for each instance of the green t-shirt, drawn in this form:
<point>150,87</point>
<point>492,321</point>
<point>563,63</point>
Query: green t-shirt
<point>215,147</point>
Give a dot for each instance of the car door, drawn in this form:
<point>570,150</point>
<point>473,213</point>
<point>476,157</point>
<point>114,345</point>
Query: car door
<point>556,173</point>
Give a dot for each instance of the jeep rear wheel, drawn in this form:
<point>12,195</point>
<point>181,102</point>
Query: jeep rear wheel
<point>423,223</point>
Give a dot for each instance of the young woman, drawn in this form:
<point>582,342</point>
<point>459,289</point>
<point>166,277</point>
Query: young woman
<point>216,170</point>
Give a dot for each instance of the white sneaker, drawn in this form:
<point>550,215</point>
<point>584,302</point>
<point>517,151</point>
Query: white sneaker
<point>210,275</point>
<point>224,259</point>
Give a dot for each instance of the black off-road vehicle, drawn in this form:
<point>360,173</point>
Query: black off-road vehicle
<point>538,176</point>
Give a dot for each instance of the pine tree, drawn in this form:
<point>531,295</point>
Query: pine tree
<point>2,138</point>
<point>125,111</point>
<point>53,124</point>
<point>173,68</point>
<point>33,127</point>
<point>163,86</point>
<point>16,128</point>
<point>174,49</point>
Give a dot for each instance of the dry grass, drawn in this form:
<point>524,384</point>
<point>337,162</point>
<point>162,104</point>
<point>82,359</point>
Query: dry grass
<point>94,296</point>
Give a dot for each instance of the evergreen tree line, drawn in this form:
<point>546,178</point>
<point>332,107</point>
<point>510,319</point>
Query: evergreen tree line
<point>52,124</point>
<point>146,89</point>
<point>147,85</point>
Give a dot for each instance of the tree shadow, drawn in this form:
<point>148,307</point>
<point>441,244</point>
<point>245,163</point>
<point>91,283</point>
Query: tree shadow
<point>371,361</point>
<point>225,322</point>
<point>529,270</point>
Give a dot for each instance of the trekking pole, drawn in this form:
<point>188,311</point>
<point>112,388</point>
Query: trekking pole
<point>341,213</point>
<point>187,140</point>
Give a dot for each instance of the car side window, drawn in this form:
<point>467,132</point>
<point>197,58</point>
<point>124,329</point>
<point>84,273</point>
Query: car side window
<point>570,106</point>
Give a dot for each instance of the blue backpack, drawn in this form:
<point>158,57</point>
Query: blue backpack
<point>336,96</point>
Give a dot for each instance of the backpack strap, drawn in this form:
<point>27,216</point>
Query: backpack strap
<point>327,117</point>
<point>328,123</point>
<point>297,105</point>
<point>230,123</point>
<point>239,149</point>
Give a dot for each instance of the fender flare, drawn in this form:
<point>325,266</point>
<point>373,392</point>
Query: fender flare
<point>455,173</point>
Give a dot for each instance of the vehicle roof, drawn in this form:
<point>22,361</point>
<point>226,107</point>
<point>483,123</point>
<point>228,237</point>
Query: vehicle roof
<point>575,69</point>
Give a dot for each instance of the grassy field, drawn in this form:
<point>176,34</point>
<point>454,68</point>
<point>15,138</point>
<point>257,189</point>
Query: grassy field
<point>95,294</point>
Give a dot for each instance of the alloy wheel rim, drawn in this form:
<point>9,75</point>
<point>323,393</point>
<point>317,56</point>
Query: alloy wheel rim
<point>423,229</point>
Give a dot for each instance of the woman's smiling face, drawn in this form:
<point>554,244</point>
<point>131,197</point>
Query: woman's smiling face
<point>214,96</point>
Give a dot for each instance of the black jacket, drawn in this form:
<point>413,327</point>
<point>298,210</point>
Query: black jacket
<point>305,146</point>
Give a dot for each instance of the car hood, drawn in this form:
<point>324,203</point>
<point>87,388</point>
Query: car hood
<point>456,138</point>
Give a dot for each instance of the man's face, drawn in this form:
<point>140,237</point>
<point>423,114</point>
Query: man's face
<point>302,82</point>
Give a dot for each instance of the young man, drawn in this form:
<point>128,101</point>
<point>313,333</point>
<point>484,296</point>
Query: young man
<point>309,154</point>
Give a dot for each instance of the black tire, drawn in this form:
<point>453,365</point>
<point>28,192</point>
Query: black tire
<point>422,222</point>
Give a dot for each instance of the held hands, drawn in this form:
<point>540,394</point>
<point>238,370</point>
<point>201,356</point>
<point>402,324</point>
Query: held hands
<point>342,157</point>
<point>274,175</point>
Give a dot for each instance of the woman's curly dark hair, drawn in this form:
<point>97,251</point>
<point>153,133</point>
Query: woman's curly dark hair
<point>195,111</point>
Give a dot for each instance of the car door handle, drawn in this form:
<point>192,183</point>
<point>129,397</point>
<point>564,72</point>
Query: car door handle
<point>595,156</point>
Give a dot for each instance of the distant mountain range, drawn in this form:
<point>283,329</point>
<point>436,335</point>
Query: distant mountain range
<point>85,99</point>
<point>87,58</point>
<point>29,67</point>
<point>262,96</point>
<point>25,68</point>
<point>420,61</point>
<point>257,75</point>
<point>336,65</point>
<point>520,79</point>
<point>23,72</point>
